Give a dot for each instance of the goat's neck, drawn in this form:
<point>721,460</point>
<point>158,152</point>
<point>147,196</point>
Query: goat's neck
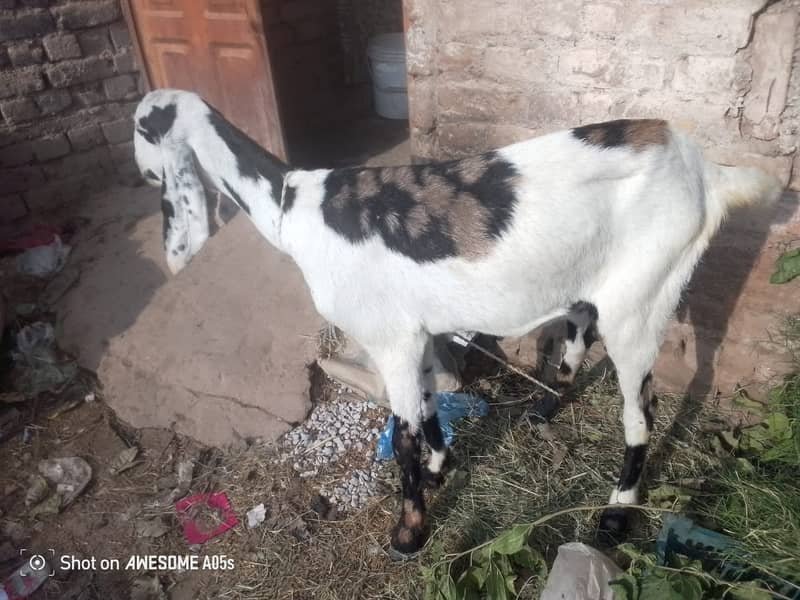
<point>245,172</point>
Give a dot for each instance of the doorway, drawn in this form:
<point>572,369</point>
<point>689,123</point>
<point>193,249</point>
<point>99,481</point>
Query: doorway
<point>293,74</point>
<point>319,54</point>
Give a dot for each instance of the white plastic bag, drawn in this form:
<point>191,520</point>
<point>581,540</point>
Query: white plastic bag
<point>580,573</point>
<point>42,261</point>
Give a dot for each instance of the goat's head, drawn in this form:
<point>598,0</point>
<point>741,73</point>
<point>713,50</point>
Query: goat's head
<point>165,158</point>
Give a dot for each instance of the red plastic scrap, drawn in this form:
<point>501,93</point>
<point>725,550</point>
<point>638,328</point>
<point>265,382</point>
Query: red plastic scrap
<point>37,235</point>
<point>192,530</point>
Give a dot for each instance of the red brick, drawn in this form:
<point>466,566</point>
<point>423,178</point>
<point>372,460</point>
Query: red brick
<point>23,54</point>
<point>95,41</point>
<point>53,101</point>
<point>121,87</point>
<point>25,24</point>
<point>86,13</point>
<point>70,72</point>
<point>60,46</point>
<point>125,62</point>
<point>118,131</point>
<point>19,110</point>
<point>86,137</point>
<point>120,36</point>
<point>20,81</point>
<point>48,148</point>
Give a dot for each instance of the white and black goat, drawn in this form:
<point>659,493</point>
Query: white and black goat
<point>602,224</point>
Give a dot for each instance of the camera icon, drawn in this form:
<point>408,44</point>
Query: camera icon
<point>37,562</point>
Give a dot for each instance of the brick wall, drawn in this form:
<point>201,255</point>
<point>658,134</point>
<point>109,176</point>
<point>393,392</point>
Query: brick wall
<point>485,73</point>
<point>68,86</point>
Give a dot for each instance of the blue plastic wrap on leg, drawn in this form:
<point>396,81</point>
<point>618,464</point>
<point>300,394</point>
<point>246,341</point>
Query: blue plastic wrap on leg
<point>450,406</point>
<point>384,449</point>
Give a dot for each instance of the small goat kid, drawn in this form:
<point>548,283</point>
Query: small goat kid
<point>602,224</point>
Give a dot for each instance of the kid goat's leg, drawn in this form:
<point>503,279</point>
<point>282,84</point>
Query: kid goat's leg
<point>401,367</point>
<point>433,473</point>
<point>581,334</point>
<point>633,350</point>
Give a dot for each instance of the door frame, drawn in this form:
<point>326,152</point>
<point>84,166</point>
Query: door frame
<point>127,12</point>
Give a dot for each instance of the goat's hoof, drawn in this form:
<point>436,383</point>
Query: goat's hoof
<point>406,542</point>
<point>615,522</point>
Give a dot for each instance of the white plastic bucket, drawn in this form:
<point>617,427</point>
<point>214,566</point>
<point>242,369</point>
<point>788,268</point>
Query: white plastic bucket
<point>386,54</point>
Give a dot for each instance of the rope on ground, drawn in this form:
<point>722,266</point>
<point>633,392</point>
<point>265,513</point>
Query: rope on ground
<point>507,365</point>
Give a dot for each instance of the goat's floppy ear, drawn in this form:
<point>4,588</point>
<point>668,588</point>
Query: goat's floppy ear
<point>183,204</point>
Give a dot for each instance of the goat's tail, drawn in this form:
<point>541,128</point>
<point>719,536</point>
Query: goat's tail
<point>732,187</point>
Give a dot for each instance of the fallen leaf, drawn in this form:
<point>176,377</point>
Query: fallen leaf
<point>787,267</point>
<point>124,460</point>
<point>50,506</point>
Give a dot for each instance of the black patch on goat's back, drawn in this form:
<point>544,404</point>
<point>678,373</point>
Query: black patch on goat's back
<point>155,125</point>
<point>634,133</point>
<point>252,160</point>
<point>288,198</point>
<point>607,135</point>
<point>150,175</point>
<point>236,197</point>
<point>425,212</point>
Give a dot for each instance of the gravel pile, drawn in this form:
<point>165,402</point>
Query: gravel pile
<point>338,440</point>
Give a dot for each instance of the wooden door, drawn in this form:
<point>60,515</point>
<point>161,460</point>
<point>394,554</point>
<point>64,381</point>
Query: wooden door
<point>217,49</point>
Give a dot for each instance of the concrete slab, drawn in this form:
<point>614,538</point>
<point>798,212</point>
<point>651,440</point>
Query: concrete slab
<point>219,352</point>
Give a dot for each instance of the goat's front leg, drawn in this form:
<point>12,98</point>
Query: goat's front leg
<point>411,530</point>
<point>401,368</point>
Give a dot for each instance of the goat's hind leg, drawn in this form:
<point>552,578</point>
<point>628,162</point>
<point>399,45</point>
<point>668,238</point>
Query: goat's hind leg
<point>633,357</point>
